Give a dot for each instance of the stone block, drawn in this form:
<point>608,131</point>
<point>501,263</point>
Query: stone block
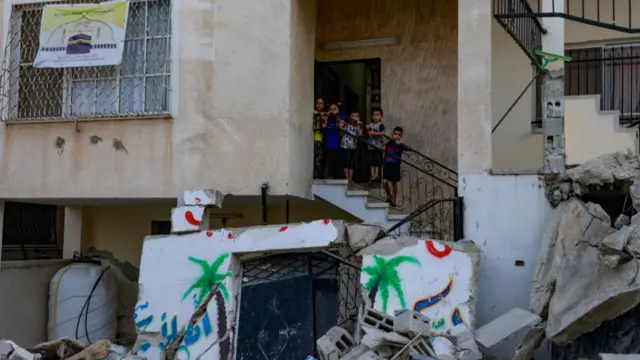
<point>202,198</point>
<point>334,344</point>
<point>505,327</point>
<point>377,319</point>
<point>411,323</point>
<point>466,346</point>
<point>187,219</point>
<point>362,235</point>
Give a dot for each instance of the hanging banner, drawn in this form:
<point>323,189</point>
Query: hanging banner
<point>82,35</point>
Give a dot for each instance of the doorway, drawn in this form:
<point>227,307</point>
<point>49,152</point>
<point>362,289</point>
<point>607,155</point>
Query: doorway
<point>355,84</point>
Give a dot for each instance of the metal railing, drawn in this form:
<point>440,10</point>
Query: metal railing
<point>609,14</point>
<point>613,72</point>
<point>138,87</point>
<point>30,232</point>
<point>427,190</point>
<point>525,31</point>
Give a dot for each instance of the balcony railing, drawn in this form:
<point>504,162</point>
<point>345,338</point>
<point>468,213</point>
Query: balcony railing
<point>427,190</point>
<point>613,72</point>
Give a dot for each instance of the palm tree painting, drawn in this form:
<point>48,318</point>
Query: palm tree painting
<point>383,276</point>
<point>208,278</point>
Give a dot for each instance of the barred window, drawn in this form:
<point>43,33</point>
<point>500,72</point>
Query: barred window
<point>139,86</point>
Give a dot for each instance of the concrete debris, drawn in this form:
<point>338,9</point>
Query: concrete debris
<point>505,327</point>
<point>586,272</point>
<point>67,349</point>
<point>359,236</point>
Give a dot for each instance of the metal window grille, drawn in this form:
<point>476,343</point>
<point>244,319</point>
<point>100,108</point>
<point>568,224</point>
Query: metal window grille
<point>138,87</point>
<point>318,266</point>
<point>612,71</point>
<point>29,232</point>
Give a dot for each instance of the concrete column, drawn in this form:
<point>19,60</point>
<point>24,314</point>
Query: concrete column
<point>72,231</point>
<point>553,91</point>
<point>474,86</point>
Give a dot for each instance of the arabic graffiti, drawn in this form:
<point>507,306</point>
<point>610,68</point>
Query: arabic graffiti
<point>169,329</point>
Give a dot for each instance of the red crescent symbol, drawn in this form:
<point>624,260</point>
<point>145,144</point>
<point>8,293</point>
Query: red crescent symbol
<point>188,215</point>
<point>438,253</point>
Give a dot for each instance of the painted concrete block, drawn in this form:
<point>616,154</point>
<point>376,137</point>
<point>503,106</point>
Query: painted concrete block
<point>202,198</point>
<point>187,218</point>
<point>437,279</point>
<point>411,323</point>
<point>334,344</point>
<point>505,326</point>
<point>361,352</point>
<point>176,269</point>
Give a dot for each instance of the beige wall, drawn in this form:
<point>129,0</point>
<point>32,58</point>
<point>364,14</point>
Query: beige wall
<point>121,229</point>
<point>242,94</point>
<point>24,286</point>
<point>515,146</point>
<point>419,74</point>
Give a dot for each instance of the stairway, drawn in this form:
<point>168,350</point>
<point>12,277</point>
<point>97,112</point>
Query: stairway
<point>366,205</point>
<point>591,132</point>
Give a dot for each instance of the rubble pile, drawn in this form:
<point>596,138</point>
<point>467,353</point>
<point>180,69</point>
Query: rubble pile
<point>612,171</point>
<point>588,270</point>
<point>67,349</point>
<point>408,335</point>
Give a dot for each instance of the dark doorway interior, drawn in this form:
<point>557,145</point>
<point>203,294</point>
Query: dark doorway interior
<point>356,85</point>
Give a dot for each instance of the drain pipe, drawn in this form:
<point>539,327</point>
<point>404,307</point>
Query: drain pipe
<point>263,191</point>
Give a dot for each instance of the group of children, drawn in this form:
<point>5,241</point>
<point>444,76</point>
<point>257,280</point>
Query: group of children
<point>336,141</point>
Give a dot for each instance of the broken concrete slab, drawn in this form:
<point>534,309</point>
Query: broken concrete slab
<point>12,351</point>
<point>359,236</point>
<point>570,223</point>
<point>464,340</point>
<point>202,198</point>
<point>505,326</point>
<point>187,219</point>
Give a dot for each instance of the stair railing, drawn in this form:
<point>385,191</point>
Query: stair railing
<point>427,191</point>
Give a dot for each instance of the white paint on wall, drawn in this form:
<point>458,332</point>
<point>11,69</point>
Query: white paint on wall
<point>505,215</point>
<point>176,270</point>
<point>430,277</point>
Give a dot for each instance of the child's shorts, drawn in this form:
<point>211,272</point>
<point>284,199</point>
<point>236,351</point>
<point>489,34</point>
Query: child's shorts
<point>375,157</point>
<point>348,158</point>
<point>391,172</point>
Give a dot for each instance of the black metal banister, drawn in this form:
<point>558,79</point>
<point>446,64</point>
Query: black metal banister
<point>428,192</point>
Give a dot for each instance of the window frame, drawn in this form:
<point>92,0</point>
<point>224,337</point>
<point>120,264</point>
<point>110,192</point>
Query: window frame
<point>8,115</point>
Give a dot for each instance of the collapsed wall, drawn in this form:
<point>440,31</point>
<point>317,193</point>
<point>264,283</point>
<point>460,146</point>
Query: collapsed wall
<point>587,276</point>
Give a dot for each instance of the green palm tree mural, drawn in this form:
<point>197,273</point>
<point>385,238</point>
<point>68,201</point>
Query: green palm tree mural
<point>383,275</point>
<point>203,284</point>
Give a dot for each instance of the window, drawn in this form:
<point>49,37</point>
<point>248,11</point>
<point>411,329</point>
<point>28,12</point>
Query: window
<point>613,72</point>
<point>139,86</point>
<point>32,231</point>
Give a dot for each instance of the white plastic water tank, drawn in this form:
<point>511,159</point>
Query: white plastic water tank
<point>74,287</point>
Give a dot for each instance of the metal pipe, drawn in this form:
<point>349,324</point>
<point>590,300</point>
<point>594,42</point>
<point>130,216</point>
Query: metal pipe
<point>263,192</point>
<point>516,102</point>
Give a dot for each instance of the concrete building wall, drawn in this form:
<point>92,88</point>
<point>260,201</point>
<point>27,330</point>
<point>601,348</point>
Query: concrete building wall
<point>120,229</point>
<point>241,89</point>
<point>24,286</point>
<point>419,73</point>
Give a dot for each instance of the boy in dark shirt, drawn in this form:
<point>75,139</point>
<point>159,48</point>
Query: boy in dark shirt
<point>331,139</point>
<point>376,143</point>
<point>391,165</point>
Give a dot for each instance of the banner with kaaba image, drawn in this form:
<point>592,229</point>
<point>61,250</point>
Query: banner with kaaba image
<point>82,35</point>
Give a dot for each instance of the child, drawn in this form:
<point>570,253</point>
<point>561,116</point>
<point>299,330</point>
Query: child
<point>349,143</point>
<point>317,137</point>
<point>376,143</point>
<point>391,165</point>
<point>331,142</point>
